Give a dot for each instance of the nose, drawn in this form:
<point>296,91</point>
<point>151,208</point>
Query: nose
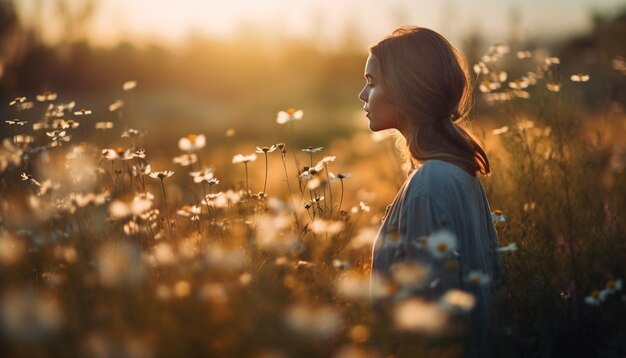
<point>364,94</point>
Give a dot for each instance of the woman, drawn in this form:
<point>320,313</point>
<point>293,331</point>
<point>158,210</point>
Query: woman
<point>417,83</point>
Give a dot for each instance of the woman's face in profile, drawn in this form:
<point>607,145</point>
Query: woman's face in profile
<point>381,112</point>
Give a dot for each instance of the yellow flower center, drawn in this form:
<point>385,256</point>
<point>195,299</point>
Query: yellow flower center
<point>192,137</point>
<point>265,149</point>
<point>291,111</point>
<point>610,284</point>
<point>498,212</point>
<point>119,150</point>
<point>595,293</point>
<point>442,247</point>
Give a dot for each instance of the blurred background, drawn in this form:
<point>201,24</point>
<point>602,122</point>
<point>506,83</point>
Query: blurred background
<point>215,65</point>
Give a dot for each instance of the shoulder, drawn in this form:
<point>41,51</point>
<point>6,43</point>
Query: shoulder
<point>438,167</point>
<point>438,179</point>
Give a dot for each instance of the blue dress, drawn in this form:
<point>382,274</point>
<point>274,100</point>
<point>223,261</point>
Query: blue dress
<point>441,197</point>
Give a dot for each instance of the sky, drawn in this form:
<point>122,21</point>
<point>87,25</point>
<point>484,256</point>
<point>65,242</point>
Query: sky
<point>324,21</point>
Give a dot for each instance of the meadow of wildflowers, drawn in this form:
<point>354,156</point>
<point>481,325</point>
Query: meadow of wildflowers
<point>107,250</point>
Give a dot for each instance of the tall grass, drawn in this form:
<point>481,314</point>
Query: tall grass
<point>102,256</point>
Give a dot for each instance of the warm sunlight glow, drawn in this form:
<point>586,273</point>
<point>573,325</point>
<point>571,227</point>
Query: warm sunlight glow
<point>325,21</point>
<point>214,178</point>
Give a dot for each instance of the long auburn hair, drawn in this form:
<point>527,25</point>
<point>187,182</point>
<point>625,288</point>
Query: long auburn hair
<point>429,82</point>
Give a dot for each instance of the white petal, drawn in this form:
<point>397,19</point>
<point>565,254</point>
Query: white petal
<point>283,117</point>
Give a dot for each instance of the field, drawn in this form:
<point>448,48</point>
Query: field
<point>116,243</point>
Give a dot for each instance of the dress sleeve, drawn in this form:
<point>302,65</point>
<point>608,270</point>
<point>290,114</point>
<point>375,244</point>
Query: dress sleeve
<point>427,240</point>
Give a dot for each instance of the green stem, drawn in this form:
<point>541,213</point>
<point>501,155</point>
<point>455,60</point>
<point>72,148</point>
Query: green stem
<point>167,215</point>
<point>193,187</point>
<point>341,197</point>
<point>330,190</point>
<point>206,201</point>
<point>266,168</point>
<point>295,215</point>
<point>308,212</point>
<point>295,158</point>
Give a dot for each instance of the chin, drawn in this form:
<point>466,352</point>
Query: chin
<point>377,127</point>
